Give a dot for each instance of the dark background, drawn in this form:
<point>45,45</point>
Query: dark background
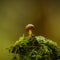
<point>15,14</point>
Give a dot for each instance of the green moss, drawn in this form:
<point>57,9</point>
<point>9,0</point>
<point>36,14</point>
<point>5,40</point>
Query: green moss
<point>36,48</point>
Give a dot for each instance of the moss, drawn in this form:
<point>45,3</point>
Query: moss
<point>36,48</point>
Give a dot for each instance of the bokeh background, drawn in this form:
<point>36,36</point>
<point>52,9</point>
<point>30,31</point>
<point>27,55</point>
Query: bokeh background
<point>15,14</point>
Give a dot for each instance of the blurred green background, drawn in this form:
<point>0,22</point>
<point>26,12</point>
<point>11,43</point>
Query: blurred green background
<point>15,14</point>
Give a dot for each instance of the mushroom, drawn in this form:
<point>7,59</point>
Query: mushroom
<point>29,28</point>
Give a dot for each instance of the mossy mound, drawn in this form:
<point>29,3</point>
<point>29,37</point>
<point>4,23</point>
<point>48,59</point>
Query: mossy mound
<point>36,48</point>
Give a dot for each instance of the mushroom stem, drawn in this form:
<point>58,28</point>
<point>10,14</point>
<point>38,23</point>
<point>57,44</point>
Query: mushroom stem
<point>30,33</point>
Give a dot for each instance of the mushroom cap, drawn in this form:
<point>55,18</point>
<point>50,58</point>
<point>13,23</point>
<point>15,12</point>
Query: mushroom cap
<point>29,27</point>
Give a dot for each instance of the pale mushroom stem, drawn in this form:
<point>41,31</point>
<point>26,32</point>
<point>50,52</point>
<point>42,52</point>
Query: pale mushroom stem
<point>30,33</point>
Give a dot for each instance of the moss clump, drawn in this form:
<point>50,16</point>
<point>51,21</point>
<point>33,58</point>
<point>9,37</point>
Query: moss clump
<point>36,48</point>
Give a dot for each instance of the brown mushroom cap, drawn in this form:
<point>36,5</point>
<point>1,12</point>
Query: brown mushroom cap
<point>29,27</point>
